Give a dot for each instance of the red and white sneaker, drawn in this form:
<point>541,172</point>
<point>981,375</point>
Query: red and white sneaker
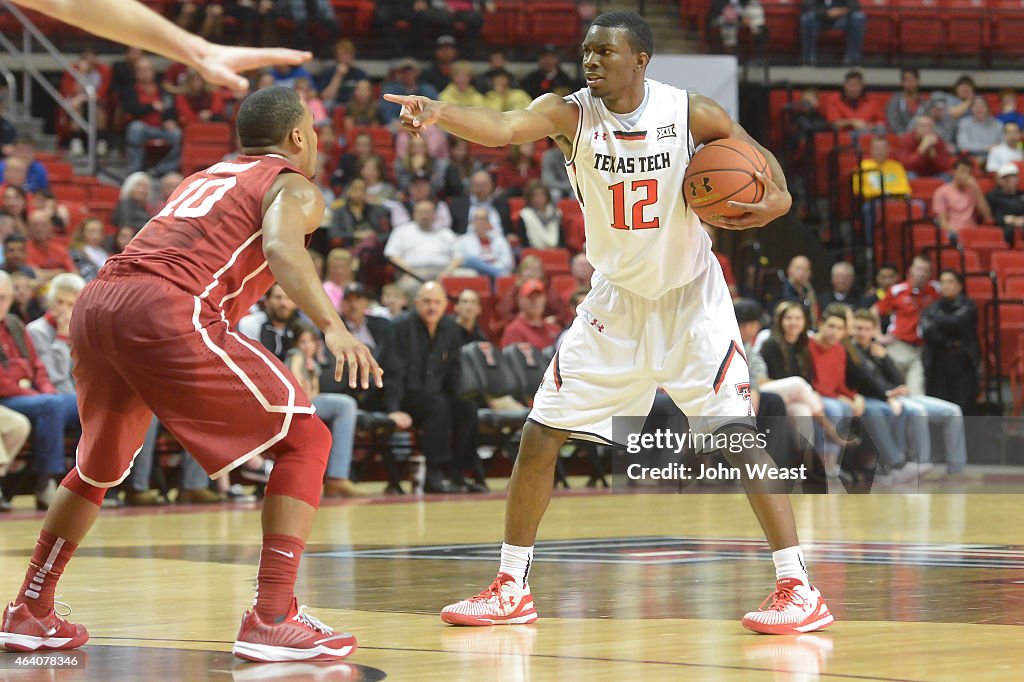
<point>795,608</point>
<point>503,603</point>
<point>20,630</point>
<point>299,637</point>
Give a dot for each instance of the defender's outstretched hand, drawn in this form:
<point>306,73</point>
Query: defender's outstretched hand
<point>360,361</point>
<point>774,204</point>
<point>417,112</point>
<point>222,64</point>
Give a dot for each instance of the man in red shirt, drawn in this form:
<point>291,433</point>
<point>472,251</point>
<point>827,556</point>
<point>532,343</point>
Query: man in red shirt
<point>47,256</point>
<point>853,110</point>
<point>923,153</point>
<point>155,333</point>
<point>153,118</point>
<point>904,304</point>
<point>529,326</point>
<point>25,387</point>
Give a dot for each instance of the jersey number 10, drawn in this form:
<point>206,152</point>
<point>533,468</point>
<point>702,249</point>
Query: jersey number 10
<point>650,188</point>
<point>199,197</point>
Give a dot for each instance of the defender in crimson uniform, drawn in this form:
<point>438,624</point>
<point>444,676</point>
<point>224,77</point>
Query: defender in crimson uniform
<point>153,334</point>
<point>659,314</point>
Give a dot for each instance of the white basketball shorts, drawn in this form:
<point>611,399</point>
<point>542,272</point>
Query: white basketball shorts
<point>622,347</point>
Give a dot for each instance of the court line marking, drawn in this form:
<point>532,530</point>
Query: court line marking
<point>599,659</point>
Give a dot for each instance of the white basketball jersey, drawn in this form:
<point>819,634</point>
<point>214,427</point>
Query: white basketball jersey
<point>641,235</point>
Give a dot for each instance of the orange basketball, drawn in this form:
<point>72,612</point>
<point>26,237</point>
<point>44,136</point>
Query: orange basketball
<point>723,171</point>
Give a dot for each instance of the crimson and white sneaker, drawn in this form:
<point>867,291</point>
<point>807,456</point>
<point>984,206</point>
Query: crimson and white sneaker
<point>503,603</point>
<point>299,637</point>
<point>21,630</point>
<point>795,608</point>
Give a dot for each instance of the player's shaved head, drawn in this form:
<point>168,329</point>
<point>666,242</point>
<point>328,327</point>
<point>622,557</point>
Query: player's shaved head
<point>267,116</point>
<point>638,31</point>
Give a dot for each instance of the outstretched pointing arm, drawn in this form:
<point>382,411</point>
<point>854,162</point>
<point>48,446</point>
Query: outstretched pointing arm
<point>132,23</point>
<point>547,116</point>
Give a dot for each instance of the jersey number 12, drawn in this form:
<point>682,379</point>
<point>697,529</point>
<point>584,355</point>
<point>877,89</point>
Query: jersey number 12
<point>650,188</point>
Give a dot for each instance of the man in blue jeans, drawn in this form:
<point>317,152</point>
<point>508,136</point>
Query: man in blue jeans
<point>844,15</point>
<point>25,387</point>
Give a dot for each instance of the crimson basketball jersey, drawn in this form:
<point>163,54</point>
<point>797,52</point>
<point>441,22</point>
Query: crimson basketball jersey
<point>208,238</point>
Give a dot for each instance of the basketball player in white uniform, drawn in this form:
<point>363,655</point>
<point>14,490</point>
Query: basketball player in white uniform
<point>659,313</point>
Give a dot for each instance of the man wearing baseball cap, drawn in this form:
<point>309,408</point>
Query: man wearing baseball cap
<point>530,326</point>
<point>1007,201</point>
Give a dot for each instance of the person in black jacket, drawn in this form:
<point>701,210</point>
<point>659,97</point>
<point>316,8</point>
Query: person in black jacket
<point>1007,201</point>
<point>481,195</point>
<point>422,391</point>
<point>467,315</point>
<point>951,351</point>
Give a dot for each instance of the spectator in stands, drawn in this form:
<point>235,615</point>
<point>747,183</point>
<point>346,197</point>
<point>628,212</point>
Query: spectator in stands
<point>541,219</point>
<point>467,316</point>
<point>878,377</point>
<point>956,204</point>
<point>133,208</point>
<point>122,73</point>
<point>853,109</point>
<point>582,272</point>
<point>117,242</point>
<point>1006,152</point>
<point>8,133</point>
<point>16,174</point>
<point>547,77</point>
<point>57,212</point>
<point>886,276</point>
<point>423,392</point>
<point>275,325</point>
<point>87,251</point>
<point>964,93</point>
<point>530,325</point>
<point>530,267</point>
<point>406,82</point>
<point>421,190</point>
<point>843,279</point>
<point>417,162</point>
<point>47,256</point>
<point>36,177</point>
<point>286,75</point>
<point>211,24</point>
<point>419,250</point>
<point>14,430</point>
<point>304,87</point>
<point>153,117</point>
<point>481,194</point>
<point>907,104</point>
<point>1008,108</point>
<point>951,351</point>
<point>26,388</point>
<point>165,188</point>
<point>460,90</point>
<point>376,333</point>
<point>393,302</point>
<point>51,333</point>
<point>925,153</point>
<point>978,133</point>
<point>554,175</point>
<point>1007,201</point>
<point>306,13</point>
<point>359,150</point>
<point>363,108</point>
<point>830,361</point>
<point>497,60</point>
<point>904,304</point>
<point>15,205</point>
<point>338,83</point>
<point>93,72</point>
<point>503,97</point>
<point>880,174</point>
<point>339,275</point>
<point>461,167</point>
<point>798,287</point>
<point>517,169</point>
<point>485,249</point>
<point>354,218</point>
<point>843,15</point>
<point>197,101</point>
<point>16,255</point>
<point>27,305</point>
<point>337,410</point>
<point>437,142</point>
<point>725,17</point>
<point>439,73</point>
<point>372,172</point>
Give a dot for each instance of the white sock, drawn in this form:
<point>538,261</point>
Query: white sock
<point>789,563</point>
<point>516,562</point>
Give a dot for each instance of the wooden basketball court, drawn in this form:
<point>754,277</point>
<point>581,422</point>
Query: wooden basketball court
<point>628,587</point>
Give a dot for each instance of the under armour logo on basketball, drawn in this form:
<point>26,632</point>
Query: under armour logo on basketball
<point>667,131</point>
<point>705,184</point>
<point>598,135</point>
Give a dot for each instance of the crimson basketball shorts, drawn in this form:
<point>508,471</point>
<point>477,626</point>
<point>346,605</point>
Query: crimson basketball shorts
<point>142,346</point>
<point>622,347</point>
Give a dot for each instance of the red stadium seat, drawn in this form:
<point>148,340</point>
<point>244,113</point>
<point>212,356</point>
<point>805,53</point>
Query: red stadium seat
<point>503,284</point>
<point>967,25</point>
<point>920,28</point>
<point>554,22</point>
<point>563,286</point>
<point>556,261</point>
<point>104,194</point>
<point>453,286</point>
<point>515,205</point>
<point>1014,287</point>
<point>202,132</point>
<point>59,171</point>
<point>1004,260</point>
<point>924,188</point>
<point>196,157</point>
<point>1006,23</point>
<point>69,192</point>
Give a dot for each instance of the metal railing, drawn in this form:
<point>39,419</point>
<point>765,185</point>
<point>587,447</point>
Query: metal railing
<point>30,31</point>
